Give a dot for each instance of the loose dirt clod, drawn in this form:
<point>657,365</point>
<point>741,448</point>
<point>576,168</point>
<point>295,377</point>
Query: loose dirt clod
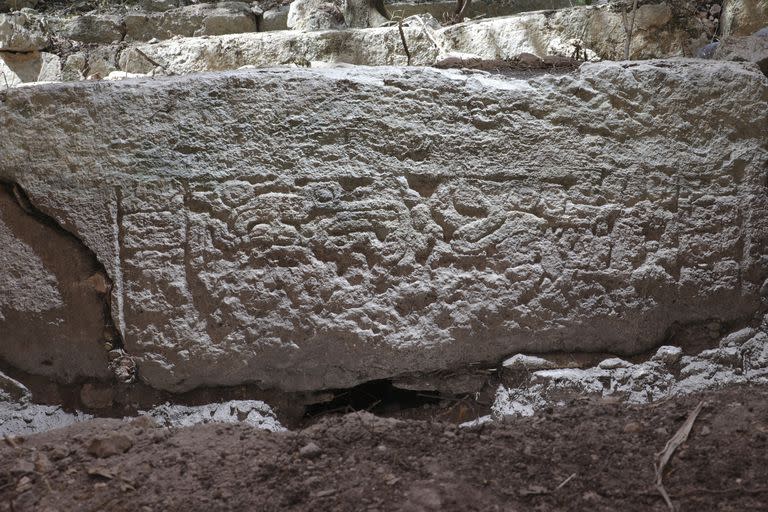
<point>111,445</point>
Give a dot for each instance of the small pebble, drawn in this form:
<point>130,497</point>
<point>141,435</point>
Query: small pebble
<point>310,451</point>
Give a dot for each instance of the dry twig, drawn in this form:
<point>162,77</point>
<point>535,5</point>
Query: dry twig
<point>11,441</point>
<point>564,482</point>
<point>628,28</point>
<point>664,456</point>
<point>153,61</point>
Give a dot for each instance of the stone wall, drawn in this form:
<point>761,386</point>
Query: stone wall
<point>224,36</point>
<point>307,229</point>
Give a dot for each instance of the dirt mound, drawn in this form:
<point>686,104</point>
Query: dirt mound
<point>587,456</point>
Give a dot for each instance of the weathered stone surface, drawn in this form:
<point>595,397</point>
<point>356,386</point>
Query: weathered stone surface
<point>745,49</point>
<point>193,20</point>
<point>743,17</point>
<point>308,15</point>
<point>251,412</point>
<point>540,33</point>
<point>25,418</point>
<point>97,62</point>
<point>96,396</point>
<point>318,228</point>
<point>375,47</point>
<point>599,29</point>
<point>446,9</point>
<point>363,14</point>
<point>111,444</point>
<point>31,67</point>
<point>158,5</point>
<point>274,19</point>
<point>21,32</point>
<point>527,363</point>
<point>13,390</point>
<point>659,378</point>
<point>16,5</point>
<point>94,29</point>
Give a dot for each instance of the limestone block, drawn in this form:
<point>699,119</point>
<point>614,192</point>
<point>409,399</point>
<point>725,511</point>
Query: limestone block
<point>274,19</point>
<point>22,32</point>
<point>540,33</point>
<point>192,20</point>
<point>21,68</point>
<point>94,29</point>
<point>308,229</point>
<point>362,14</point>
<point>745,49</point>
<point>309,15</point>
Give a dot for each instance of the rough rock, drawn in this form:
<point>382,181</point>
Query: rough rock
<point>362,14</point>
<point>754,352</point>
<point>97,62</point>
<point>274,19</point>
<point>252,412</point>
<point>25,68</point>
<point>668,355</point>
<point>193,20</point>
<point>707,51</point>
<point>446,9</point>
<point>743,17</point>
<point>23,467</point>
<point>599,31</point>
<point>158,5</point>
<point>17,5</point>
<point>13,390</point>
<point>22,32</point>
<point>738,338</point>
<point>649,381</point>
<point>20,418</point>
<point>309,229</point>
<point>94,29</point>
<point>277,18</point>
<point>527,363</point>
<point>745,49</point>
<point>613,363</point>
<point>309,15</point>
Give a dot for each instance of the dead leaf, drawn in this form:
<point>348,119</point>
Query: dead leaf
<point>97,471</point>
<point>533,490</point>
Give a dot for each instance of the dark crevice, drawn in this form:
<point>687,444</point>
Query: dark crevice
<point>376,396</point>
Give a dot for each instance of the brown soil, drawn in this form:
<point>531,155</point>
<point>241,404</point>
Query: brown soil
<point>361,462</point>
